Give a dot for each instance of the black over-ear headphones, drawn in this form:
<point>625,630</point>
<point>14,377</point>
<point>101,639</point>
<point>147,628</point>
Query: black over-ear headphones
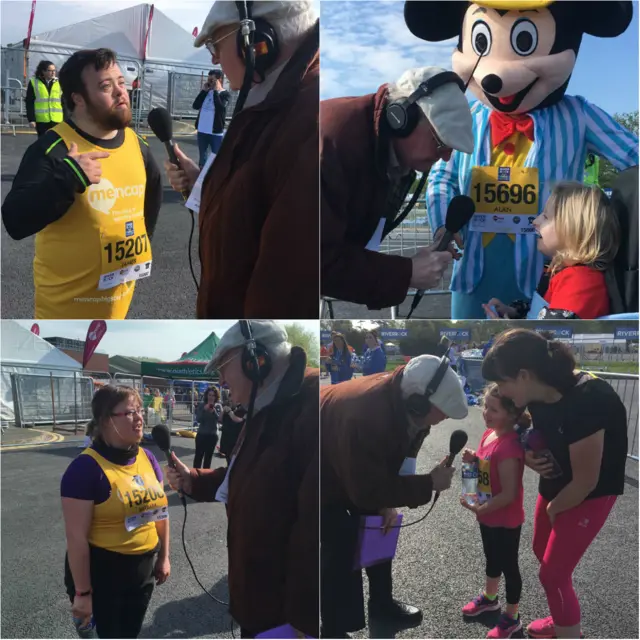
<point>419,404</point>
<point>256,361</point>
<point>403,115</point>
<point>261,39</point>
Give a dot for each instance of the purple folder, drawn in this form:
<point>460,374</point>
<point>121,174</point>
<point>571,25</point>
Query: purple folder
<point>373,546</point>
<point>285,631</point>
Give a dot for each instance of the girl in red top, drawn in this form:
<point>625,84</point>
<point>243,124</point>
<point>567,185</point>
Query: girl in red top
<point>499,508</point>
<point>579,231</point>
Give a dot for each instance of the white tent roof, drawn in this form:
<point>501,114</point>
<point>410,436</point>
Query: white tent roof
<point>124,31</point>
<point>20,347</point>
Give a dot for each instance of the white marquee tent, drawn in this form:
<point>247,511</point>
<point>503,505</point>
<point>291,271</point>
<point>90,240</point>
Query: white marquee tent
<point>23,352</point>
<point>169,51</point>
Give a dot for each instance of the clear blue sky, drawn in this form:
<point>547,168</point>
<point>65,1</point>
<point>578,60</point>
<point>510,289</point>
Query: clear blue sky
<point>366,43</point>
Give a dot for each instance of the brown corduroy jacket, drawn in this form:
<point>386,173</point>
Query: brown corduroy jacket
<point>259,210</point>
<point>364,440</point>
<point>272,536</point>
<point>356,193</point>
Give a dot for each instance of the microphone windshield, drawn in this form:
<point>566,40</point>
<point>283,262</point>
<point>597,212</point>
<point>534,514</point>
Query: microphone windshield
<point>457,441</point>
<point>160,122</point>
<point>459,212</point>
<point>162,437</point>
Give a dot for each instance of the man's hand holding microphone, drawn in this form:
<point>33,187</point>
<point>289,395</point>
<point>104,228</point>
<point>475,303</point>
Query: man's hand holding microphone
<point>441,476</point>
<point>181,178</point>
<point>179,477</point>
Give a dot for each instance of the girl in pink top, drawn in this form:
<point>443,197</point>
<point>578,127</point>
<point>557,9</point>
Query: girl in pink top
<point>499,508</point>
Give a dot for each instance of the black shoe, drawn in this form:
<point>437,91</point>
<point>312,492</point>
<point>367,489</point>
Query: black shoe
<point>396,612</point>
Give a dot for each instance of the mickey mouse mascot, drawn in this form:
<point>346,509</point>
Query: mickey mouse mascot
<point>518,57</point>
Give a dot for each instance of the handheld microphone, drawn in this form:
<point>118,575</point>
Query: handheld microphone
<point>160,123</point>
<point>162,437</point>
<point>459,212</point>
<point>456,443</point>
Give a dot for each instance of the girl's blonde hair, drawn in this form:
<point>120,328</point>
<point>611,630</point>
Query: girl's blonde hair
<point>520,416</point>
<point>586,225</point>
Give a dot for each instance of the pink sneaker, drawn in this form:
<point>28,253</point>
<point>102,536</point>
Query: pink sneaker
<point>506,627</point>
<point>542,628</point>
<point>479,605</point>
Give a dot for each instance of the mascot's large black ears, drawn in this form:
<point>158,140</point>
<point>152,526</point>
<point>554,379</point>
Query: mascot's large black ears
<point>435,20</point>
<point>604,19</point>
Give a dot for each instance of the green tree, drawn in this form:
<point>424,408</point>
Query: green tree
<point>307,340</point>
<point>608,172</point>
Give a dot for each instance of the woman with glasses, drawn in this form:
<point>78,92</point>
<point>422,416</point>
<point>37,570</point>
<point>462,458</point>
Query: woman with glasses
<point>116,520</point>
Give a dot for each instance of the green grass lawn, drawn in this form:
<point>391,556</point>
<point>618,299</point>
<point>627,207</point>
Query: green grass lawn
<point>588,365</point>
<point>611,367</point>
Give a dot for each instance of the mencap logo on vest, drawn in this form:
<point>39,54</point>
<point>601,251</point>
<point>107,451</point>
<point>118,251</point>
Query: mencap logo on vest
<point>103,196</point>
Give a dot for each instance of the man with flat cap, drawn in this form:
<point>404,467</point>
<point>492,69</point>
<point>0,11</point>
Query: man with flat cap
<point>270,486</point>
<point>370,149</point>
<point>372,430</point>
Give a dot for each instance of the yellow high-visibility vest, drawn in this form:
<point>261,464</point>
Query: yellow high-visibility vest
<point>48,105</point>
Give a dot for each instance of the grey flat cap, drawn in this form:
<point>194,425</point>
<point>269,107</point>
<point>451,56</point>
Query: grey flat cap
<point>224,12</point>
<point>447,108</point>
<point>264,331</point>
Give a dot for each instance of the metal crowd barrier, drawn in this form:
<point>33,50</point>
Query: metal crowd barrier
<point>414,234</point>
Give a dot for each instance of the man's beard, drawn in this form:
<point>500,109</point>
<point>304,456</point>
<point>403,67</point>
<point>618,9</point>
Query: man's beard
<point>109,119</point>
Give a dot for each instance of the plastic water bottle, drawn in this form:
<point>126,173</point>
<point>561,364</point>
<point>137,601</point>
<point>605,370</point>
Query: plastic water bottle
<point>470,482</point>
<point>85,630</point>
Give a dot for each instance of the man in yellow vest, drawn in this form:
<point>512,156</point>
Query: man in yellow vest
<point>44,99</point>
<point>90,191</point>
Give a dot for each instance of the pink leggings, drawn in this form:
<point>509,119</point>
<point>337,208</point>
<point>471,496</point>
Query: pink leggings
<point>560,547</point>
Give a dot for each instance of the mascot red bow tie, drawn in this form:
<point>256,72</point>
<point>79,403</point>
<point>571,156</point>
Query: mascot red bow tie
<point>504,126</point>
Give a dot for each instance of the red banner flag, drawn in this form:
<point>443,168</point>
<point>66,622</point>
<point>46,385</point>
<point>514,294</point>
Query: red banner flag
<point>97,329</point>
<point>194,33</point>
<point>35,329</point>
<point>146,38</point>
<point>33,13</point>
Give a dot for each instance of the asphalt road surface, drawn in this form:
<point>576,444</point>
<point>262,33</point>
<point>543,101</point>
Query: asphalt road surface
<point>168,293</point>
<point>34,601</point>
<point>439,564</point>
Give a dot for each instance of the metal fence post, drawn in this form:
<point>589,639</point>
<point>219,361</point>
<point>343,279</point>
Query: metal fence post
<point>53,402</point>
<point>75,402</point>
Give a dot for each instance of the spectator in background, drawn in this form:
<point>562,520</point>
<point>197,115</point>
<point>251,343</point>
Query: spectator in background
<point>339,362</point>
<point>208,415</point>
<point>232,422</point>
<point>373,359</point>
<point>44,99</point>
<point>211,104</point>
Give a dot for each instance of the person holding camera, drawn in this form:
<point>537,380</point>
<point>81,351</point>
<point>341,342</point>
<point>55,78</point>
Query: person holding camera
<point>208,415</point>
<point>211,104</point>
<point>372,430</point>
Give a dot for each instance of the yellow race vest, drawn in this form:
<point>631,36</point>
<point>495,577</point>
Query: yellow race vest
<point>48,106</point>
<point>125,523</point>
<point>520,147</point>
<point>86,263</point>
